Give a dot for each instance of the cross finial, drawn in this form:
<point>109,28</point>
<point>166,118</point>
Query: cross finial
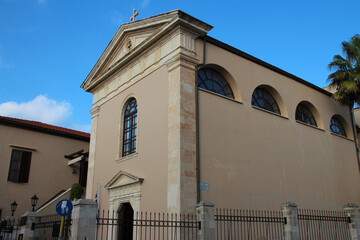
<point>135,13</point>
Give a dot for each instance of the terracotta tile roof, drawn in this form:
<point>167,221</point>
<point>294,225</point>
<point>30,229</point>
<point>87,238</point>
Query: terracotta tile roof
<point>43,127</point>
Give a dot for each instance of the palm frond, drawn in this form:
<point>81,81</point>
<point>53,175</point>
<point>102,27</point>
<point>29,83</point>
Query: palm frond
<point>349,86</point>
<point>346,76</point>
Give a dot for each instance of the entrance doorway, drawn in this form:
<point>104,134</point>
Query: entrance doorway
<point>126,217</point>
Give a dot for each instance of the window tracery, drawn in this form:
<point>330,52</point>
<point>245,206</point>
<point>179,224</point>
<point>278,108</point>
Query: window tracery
<point>303,114</point>
<point>263,99</point>
<point>337,127</point>
<point>213,81</point>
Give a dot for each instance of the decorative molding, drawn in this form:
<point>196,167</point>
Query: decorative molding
<point>128,157</point>
<point>219,95</point>
<point>23,148</point>
<point>130,179</point>
<point>126,197</point>
<point>125,193</point>
<point>267,111</point>
<point>129,45</point>
<point>181,59</point>
<point>308,125</point>
<point>95,111</point>
<point>165,23</point>
<point>340,136</point>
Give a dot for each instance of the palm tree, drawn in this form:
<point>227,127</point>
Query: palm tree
<point>346,78</point>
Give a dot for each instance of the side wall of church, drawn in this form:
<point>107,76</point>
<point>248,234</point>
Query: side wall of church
<point>151,157</point>
<point>254,159</point>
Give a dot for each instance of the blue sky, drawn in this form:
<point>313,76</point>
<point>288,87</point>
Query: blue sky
<point>47,47</point>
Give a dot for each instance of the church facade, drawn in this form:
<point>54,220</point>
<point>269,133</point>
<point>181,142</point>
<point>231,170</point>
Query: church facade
<point>179,117</point>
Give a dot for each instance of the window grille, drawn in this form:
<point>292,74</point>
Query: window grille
<point>130,128</point>
<point>337,127</point>
<point>263,99</point>
<point>213,81</point>
<point>303,114</point>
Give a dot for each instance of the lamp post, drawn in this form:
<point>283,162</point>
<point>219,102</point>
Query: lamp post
<point>13,208</point>
<point>34,201</point>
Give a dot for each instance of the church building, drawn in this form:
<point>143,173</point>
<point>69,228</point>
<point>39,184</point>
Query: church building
<point>179,117</point>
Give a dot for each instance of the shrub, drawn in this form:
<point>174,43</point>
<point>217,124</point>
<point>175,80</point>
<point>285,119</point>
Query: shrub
<point>76,191</point>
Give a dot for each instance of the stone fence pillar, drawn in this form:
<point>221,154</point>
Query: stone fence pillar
<point>205,215</point>
<point>83,220</point>
<point>27,229</point>
<point>352,211</point>
<point>291,228</point>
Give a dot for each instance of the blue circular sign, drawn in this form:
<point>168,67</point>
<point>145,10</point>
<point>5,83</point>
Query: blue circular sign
<point>64,207</point>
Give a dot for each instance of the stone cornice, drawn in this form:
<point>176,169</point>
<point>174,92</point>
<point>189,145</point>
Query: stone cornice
<point>133,179</point>
<point>94,111</point>
<point>183,60</point>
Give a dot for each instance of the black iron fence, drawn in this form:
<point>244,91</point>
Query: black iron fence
<point>9,229</point>
<point>316,224</point>
<point>248,224</point>
<point>229,224</point>
<point>49,227</point>
<point>147,226</point>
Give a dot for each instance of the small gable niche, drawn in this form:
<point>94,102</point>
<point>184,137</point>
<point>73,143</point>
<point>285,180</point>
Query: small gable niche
<point>124,187</point>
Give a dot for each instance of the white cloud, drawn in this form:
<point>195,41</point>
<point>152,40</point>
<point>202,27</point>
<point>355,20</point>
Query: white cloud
<point>41,1</point>
<point>40,109</point>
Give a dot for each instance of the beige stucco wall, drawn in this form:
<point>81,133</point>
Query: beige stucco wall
<point>258,160</point>
<point>150,162</point>
<point>49,170</point>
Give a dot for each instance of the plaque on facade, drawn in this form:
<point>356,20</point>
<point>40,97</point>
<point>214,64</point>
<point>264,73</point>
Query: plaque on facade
<point>204,186</point>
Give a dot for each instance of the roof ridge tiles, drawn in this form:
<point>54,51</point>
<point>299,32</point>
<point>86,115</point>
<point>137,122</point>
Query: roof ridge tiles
<point>44,126</point>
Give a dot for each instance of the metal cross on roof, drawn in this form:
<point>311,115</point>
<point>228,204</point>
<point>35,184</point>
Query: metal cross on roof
<point>135,13</point>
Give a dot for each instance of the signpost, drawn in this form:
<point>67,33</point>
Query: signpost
<point>63,208</point>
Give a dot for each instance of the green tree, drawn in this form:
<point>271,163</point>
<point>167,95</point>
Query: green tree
<point>346,77</point>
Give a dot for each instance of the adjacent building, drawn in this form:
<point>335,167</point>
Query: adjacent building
<point>38,158</point>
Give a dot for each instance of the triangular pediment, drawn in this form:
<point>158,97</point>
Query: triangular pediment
<point>132,38</point>
<point>123,45</point>
<point>123,178</point>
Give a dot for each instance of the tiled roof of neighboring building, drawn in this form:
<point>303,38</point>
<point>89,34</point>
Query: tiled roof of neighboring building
<point>46,128</point>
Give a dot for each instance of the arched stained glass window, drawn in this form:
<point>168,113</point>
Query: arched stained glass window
<point>337,127</point>
<point>263,99</point>
<point>130,128</point>
<point>303,114</point>
<point>213,81</point>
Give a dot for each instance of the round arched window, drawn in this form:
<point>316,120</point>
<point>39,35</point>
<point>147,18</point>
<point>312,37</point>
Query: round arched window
<point>303,114</point>
<point>263,99</point>
<point>337,127</point>
<point>213,81</point>
<point>129,128</point>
